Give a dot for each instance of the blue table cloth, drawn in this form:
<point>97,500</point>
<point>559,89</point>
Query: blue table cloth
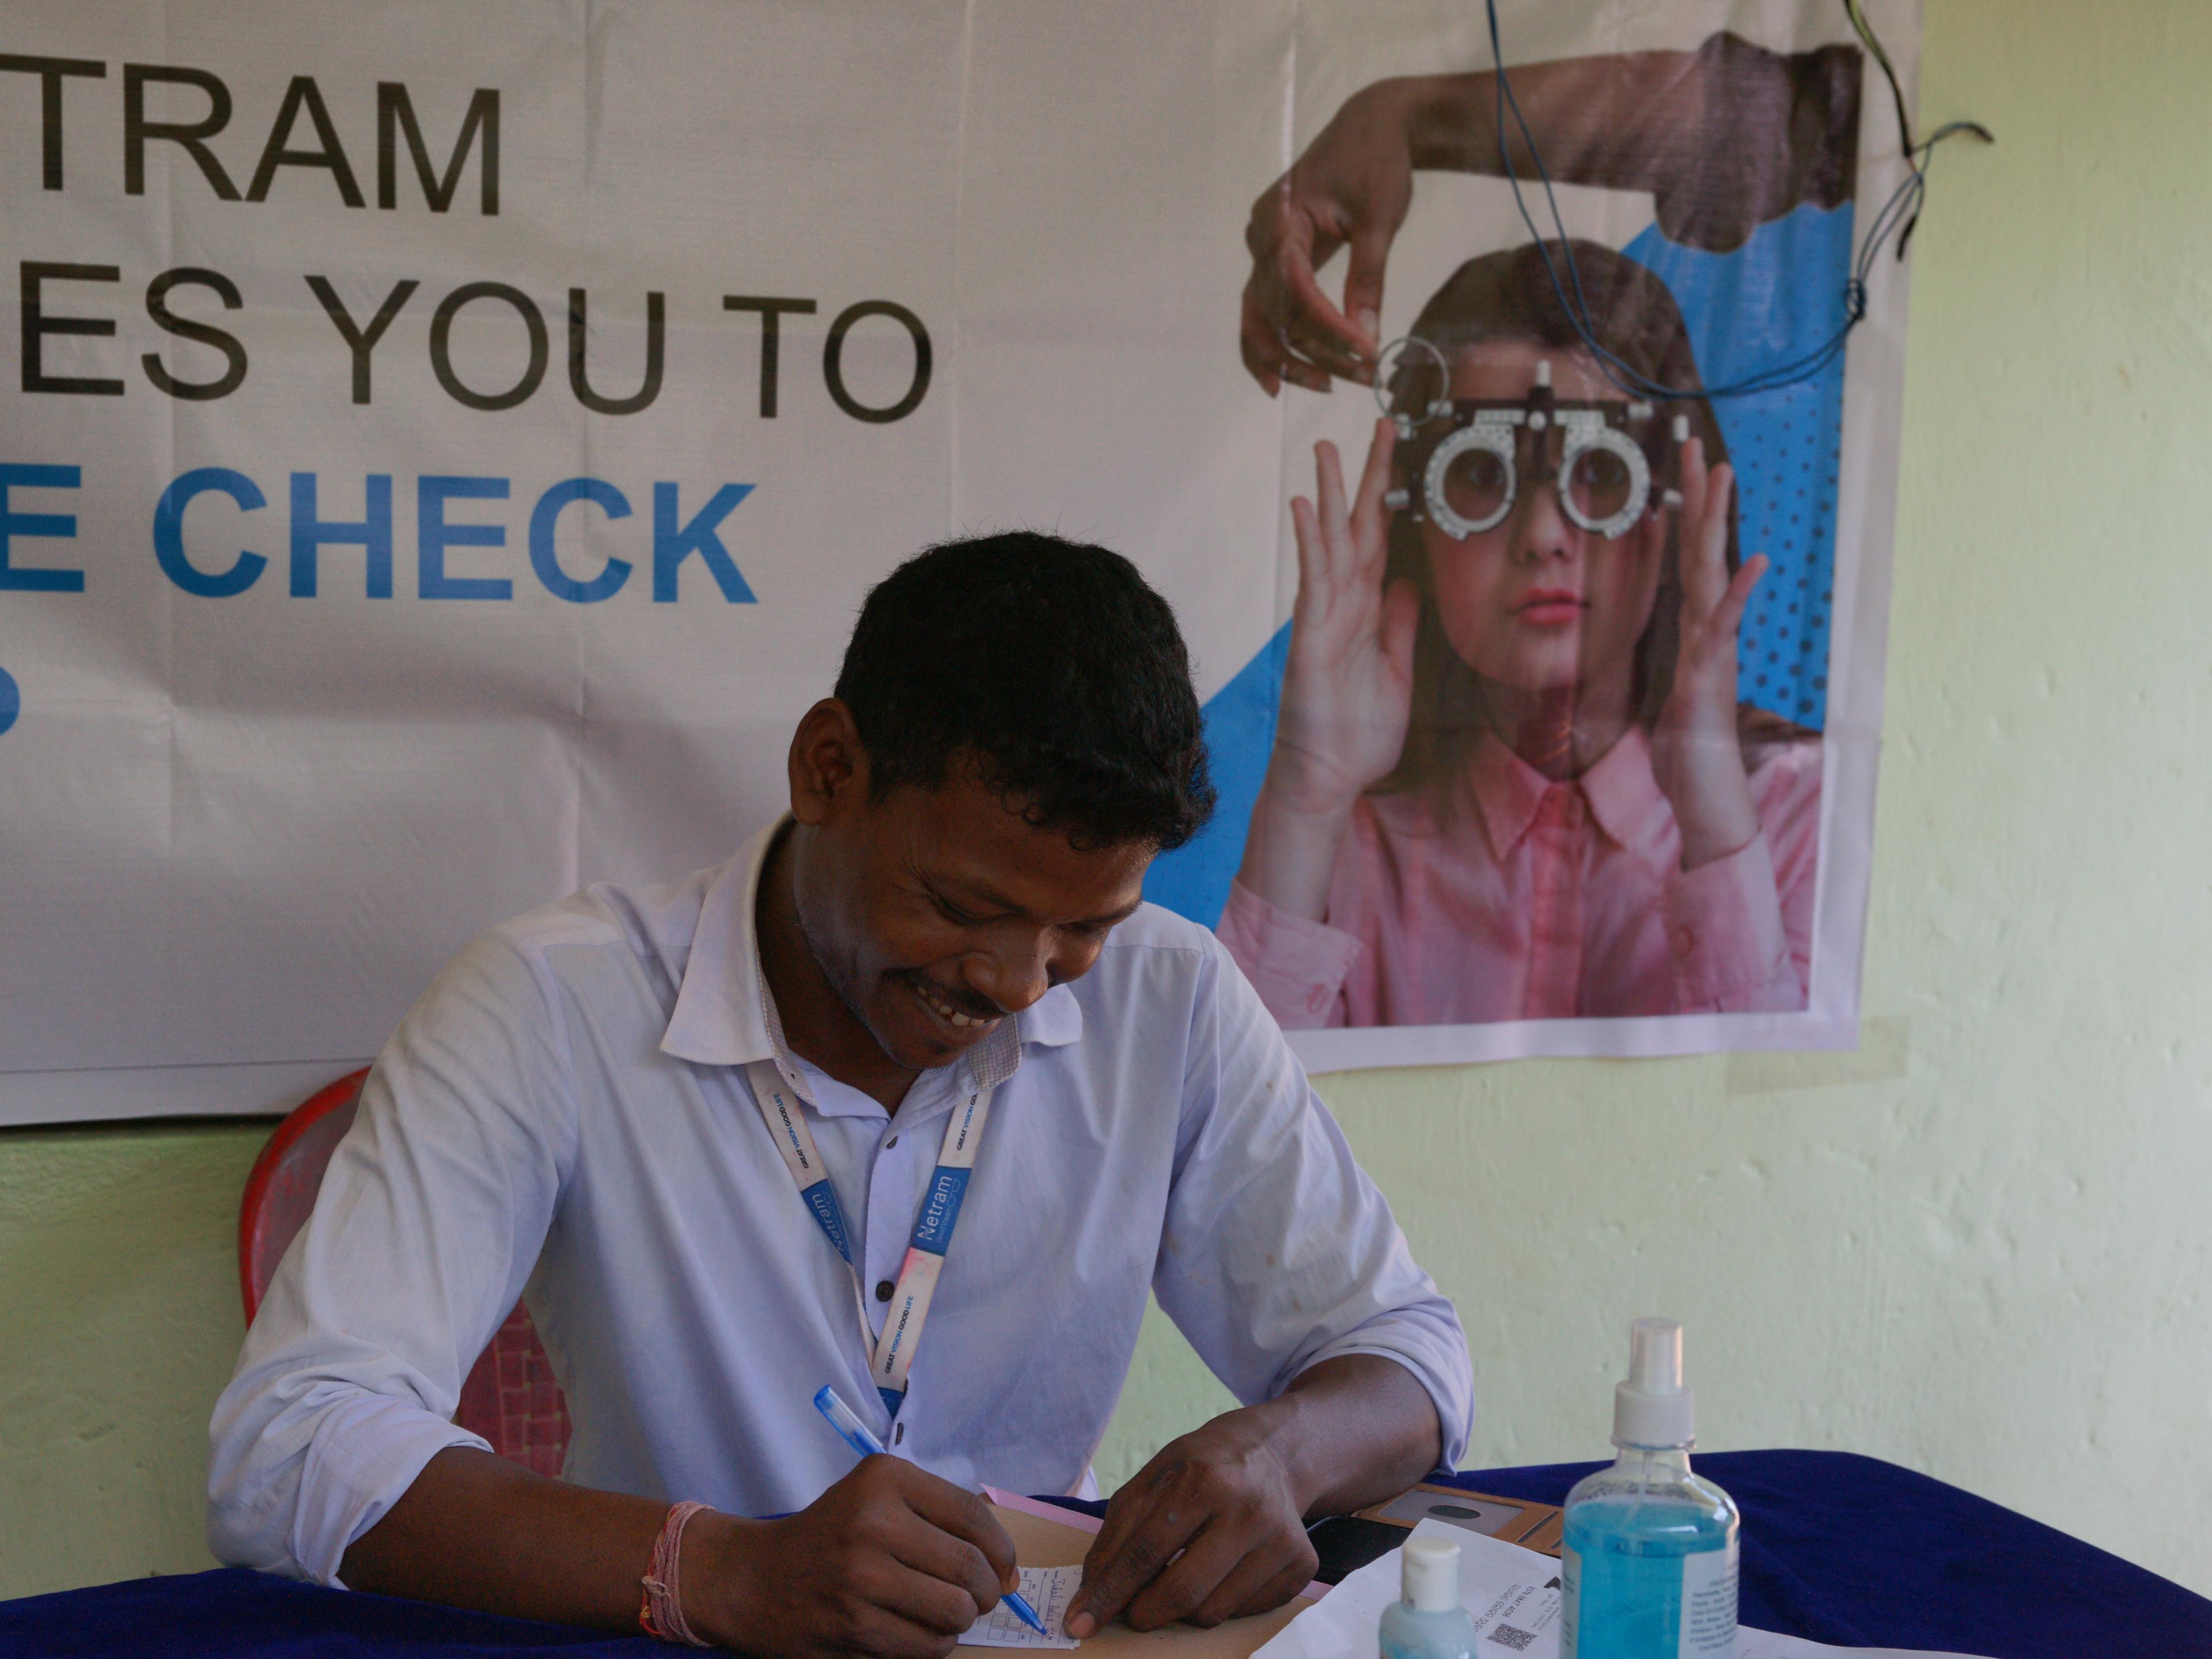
<point>1862,1553</point>
<point>1842,1549</point>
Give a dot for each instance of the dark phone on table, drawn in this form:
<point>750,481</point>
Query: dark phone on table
<point>1346,1543</point>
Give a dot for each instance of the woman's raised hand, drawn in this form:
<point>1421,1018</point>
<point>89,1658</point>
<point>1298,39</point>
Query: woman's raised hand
<point>1347,687</point>
<point>1695,753</point>
<point>1349,682</point>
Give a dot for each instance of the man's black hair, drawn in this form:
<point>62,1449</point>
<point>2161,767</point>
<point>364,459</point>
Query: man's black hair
<point>1053,668</point>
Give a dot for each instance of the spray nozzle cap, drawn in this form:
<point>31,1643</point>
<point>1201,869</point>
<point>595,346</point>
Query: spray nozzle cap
<point>1655,1356</point>
<point>1428,1575</point>
<point>1652,1408</point>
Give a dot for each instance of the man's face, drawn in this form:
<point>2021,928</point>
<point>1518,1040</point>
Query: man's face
<point>936,913</point>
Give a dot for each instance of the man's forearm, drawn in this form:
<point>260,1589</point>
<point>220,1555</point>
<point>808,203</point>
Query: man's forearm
<point>890,1559</point>
<point>1354,1430</point>
<point>478,1531</point>
<point>1726,138</point>
<point>1604,120</point>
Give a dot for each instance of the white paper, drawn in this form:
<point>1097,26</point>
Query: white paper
<point>1513,1596</point>
<point>1049,1589</point>
<point>1503,1587</point>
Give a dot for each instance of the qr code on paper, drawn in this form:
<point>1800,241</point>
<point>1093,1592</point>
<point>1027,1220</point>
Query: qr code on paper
<point>1506,1636</point>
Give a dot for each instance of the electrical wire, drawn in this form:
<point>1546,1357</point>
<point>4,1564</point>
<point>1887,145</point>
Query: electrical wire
<point>1897,215</point>
<point>1856,10</point>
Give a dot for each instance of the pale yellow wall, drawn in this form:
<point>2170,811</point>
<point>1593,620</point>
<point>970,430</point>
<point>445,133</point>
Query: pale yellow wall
<point>119,1323</point>
<point>1981,1247</point>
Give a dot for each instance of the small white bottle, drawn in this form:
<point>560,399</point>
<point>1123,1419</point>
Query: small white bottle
<point>1427,1621</point>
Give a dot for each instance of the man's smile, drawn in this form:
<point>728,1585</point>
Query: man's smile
<point>947,1012</point>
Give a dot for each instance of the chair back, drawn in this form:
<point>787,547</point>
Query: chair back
<point>280,1194</point>
<point>509,1397</point>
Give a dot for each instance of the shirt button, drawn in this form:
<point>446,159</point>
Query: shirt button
<point>883,1289</point>
<point>1684,941</point>
<point>892,1142</point>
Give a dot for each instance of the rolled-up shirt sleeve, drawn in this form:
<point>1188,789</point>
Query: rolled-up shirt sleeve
<point>1297,966</point>
<point>1280,1251</point>
<point>1740,928</point>
<point>429,1223</point>
<point>1724,932</point>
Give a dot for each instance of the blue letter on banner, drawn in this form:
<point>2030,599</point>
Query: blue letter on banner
<point>672,546</point>
<point>169,531</point>
<point>546,561</point>
<point>434,535</point>
<point>61,526</point>
<point>372,533</point>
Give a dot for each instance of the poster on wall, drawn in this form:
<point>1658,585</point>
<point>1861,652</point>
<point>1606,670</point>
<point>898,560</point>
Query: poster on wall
<point>442,452</point>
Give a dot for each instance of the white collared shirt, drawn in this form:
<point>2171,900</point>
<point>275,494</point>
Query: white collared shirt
<point>564,1116</point>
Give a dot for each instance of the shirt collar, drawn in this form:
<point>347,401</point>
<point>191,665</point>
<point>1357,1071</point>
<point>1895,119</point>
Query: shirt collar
<point>722,1008</point>
<point>1507,790</point>
<point>1622,792</point>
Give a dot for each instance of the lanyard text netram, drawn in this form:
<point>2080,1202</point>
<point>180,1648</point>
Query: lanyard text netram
<point>780,1109</point>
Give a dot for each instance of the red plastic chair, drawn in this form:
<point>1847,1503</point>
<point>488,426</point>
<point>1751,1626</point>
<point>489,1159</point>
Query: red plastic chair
<point>510,1397</point>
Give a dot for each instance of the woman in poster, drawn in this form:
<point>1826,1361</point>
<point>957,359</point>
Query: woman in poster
<point>1511,777</point>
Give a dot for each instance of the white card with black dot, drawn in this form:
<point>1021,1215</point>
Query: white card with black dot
<point>1049,1590</point>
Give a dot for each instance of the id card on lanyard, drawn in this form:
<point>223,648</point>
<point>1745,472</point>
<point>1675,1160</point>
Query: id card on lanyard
<point>992,1062</point>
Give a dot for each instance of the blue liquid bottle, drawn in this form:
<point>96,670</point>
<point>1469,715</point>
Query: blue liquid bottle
<point>1649,1569</point>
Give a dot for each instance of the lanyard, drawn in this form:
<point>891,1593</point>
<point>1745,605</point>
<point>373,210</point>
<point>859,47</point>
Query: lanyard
<point>779,1099</point>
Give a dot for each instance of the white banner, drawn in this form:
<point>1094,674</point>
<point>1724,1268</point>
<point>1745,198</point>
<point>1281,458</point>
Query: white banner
<point>445,448</point>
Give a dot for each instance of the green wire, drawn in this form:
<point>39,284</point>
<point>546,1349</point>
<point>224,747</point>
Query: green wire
<point>1916,154</point>
<point>1855,11</point>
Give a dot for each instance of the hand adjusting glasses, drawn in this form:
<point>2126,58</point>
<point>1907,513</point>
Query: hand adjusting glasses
<point>1473,456</point>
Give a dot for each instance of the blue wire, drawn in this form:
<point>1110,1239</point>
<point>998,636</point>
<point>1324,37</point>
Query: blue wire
<point>1901,208</point>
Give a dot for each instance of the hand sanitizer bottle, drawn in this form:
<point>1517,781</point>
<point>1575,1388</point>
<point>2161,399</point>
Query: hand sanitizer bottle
<point>1649,1569</point>
<point>1428,1621</point>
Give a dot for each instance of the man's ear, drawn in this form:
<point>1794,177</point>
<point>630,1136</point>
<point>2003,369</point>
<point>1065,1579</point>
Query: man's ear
<point>828,765</point>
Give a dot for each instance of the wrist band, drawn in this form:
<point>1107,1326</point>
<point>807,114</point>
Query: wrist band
<point>660,1614</point>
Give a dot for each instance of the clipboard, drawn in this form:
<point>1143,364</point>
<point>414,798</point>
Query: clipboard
<point>1538,1527</point>
<point>1047,1538</point>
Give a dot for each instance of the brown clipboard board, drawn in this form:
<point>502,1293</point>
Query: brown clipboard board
<point>1041,1541</point>
<point>1538,1527</point>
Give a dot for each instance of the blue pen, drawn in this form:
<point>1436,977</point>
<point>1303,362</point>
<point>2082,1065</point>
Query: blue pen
<point>862,1439</point>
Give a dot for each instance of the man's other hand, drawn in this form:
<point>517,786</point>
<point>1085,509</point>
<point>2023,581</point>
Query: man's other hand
<point>1210,1529</point>
<point>891,1562</point>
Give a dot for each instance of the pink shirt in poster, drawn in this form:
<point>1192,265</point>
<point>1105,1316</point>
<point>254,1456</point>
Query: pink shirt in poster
<point>1543,900</point>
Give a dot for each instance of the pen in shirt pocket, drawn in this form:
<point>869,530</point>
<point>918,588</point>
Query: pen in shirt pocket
<point>862,1439</point>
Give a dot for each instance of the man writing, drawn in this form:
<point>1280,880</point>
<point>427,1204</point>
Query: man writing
<point>697,1124</point>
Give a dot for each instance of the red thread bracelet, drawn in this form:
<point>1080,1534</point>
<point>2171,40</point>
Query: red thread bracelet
<point>660,1614</point>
